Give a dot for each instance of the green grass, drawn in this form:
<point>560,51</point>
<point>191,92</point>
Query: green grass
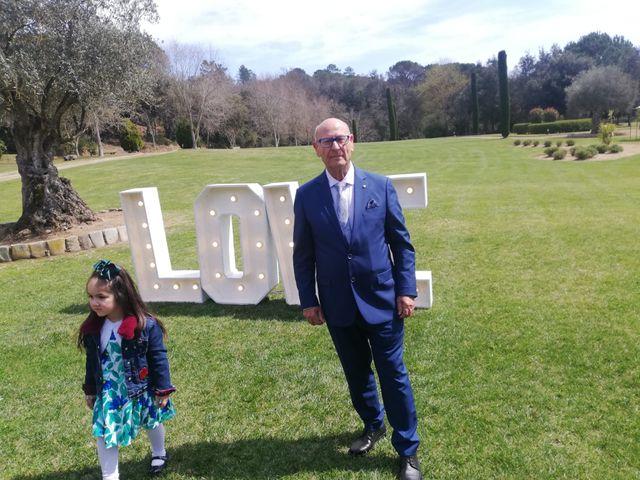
<point>525,367</point>
<point>8,163</point>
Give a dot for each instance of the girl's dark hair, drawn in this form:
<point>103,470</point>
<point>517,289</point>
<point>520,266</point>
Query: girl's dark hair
<point>127,297</point>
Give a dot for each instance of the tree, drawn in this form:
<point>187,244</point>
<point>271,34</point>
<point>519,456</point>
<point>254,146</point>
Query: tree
<point>405,74</point>
<point>245,75</point>
<point>58,58</point>
<point>600,90</point>
<point>440,93</point>
<point>150,106</point>
<point>474,104</point>
<point>268,100</point>
<point>393,121</point>
<point>236,120</point>
<point>503,86</point>
<point>603,50</point>
<point>201,87</point>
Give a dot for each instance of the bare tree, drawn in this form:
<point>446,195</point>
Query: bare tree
<point>268,100</point>
<point>60,58</point>
<point>201,85</point>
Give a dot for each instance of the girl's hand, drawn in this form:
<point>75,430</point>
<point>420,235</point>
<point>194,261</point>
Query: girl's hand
<point>162,401</point>
<point>90,400</point>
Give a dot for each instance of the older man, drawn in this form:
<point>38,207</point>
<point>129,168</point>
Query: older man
<point>350,237</point>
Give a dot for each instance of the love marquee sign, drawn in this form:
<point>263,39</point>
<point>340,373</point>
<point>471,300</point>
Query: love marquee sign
<point>265,217</point>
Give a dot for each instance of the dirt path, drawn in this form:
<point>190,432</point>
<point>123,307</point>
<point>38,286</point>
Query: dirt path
<point>6,176</point>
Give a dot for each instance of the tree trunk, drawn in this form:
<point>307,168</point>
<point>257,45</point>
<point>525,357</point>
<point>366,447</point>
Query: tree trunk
<point>595,122</point>
<point>48,200</point>
<point>152,130</point>
<point>98,138</point>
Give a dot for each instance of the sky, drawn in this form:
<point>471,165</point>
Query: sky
<point>270,37</point>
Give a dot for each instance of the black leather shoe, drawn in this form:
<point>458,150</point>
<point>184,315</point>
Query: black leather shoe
<point>367,440</point>
<point>410,468</point>
<point>158,469</point>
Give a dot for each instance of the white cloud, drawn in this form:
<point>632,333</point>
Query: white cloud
<point>366,35</point>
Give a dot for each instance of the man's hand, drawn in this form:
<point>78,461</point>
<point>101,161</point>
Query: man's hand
<point>405,306</point>
<point>314,315</point>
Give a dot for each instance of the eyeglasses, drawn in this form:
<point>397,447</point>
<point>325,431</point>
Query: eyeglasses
<point>327,142</point>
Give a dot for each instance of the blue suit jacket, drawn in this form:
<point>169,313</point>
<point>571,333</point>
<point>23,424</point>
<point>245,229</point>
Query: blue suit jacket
<point>366,274</point>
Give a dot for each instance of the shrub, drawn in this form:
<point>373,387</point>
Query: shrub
<point>547,143</point>
<point>605,132</point>
<point>162,140</point>
<point>3,148</point>
<point>572,151</point>
<point>549,151</point>
<point>526,143</point>
<point>516,142</point>
<point>183,135</point>
<point>600,148</point>
<point>86,145</point>
<point>559,143</point>
<point>550,114</point>
<point>559,154</point>
<point>519,128</point>
<point>536,143</point>
<point>560,126</point>
<point>536,115</point>
<point>615,148</point>
<point>582,153</point>
<point>570,143</point>
<point>130,138</point>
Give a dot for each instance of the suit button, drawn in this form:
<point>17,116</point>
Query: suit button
<point>349,256</point>
<point>353,279</point>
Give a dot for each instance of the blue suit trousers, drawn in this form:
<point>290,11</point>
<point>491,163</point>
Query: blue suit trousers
<point>357,345</point>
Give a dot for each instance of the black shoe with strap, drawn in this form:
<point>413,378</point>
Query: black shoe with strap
<point>367,440</point>
<point>159,468</point>
<point>410,468</point>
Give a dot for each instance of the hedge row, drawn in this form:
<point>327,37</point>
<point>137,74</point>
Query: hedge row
<point>561,126</point>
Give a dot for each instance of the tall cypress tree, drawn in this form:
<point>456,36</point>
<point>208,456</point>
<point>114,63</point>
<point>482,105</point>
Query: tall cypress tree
<point>503,85</point>
<point>474,104</point>
<point>354,130</point>
<point>393,121</point>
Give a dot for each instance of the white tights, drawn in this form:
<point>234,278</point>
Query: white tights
<point>109,456</point>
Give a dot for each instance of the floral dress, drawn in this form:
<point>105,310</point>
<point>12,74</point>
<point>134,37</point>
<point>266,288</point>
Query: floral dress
<point>116,417</point>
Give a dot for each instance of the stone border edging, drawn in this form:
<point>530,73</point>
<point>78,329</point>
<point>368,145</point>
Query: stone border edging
<point>62,245</point>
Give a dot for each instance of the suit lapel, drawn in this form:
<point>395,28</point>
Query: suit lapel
<point>359,196</point>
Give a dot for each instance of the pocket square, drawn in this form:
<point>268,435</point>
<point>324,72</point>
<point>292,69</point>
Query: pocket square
<point>371,204</point>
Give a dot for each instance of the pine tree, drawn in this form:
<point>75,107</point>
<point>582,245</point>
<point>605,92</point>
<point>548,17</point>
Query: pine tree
<point>503,85</point>
<point>393,121</point>
<point>474,104</point>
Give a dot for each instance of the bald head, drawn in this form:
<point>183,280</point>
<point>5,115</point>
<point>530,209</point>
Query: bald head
<point>336,156</point>
<point>330,124</point>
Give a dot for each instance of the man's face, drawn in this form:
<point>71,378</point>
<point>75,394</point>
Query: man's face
<point>335,157</point>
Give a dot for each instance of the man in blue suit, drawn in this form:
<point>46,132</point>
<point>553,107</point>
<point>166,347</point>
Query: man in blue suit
<point>350,237</point>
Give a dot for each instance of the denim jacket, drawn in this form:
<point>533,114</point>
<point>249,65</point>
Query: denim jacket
<point>144,354</point>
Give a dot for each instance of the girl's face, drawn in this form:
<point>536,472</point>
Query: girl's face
<point>102,301</point>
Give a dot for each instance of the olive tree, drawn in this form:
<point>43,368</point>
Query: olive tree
<point>600,90</point>
<point>62,58</point>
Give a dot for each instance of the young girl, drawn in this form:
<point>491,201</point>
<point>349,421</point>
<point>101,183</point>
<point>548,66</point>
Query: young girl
<point>127,380</point>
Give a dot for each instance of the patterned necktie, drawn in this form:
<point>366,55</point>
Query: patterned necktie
<point>342,209</point>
